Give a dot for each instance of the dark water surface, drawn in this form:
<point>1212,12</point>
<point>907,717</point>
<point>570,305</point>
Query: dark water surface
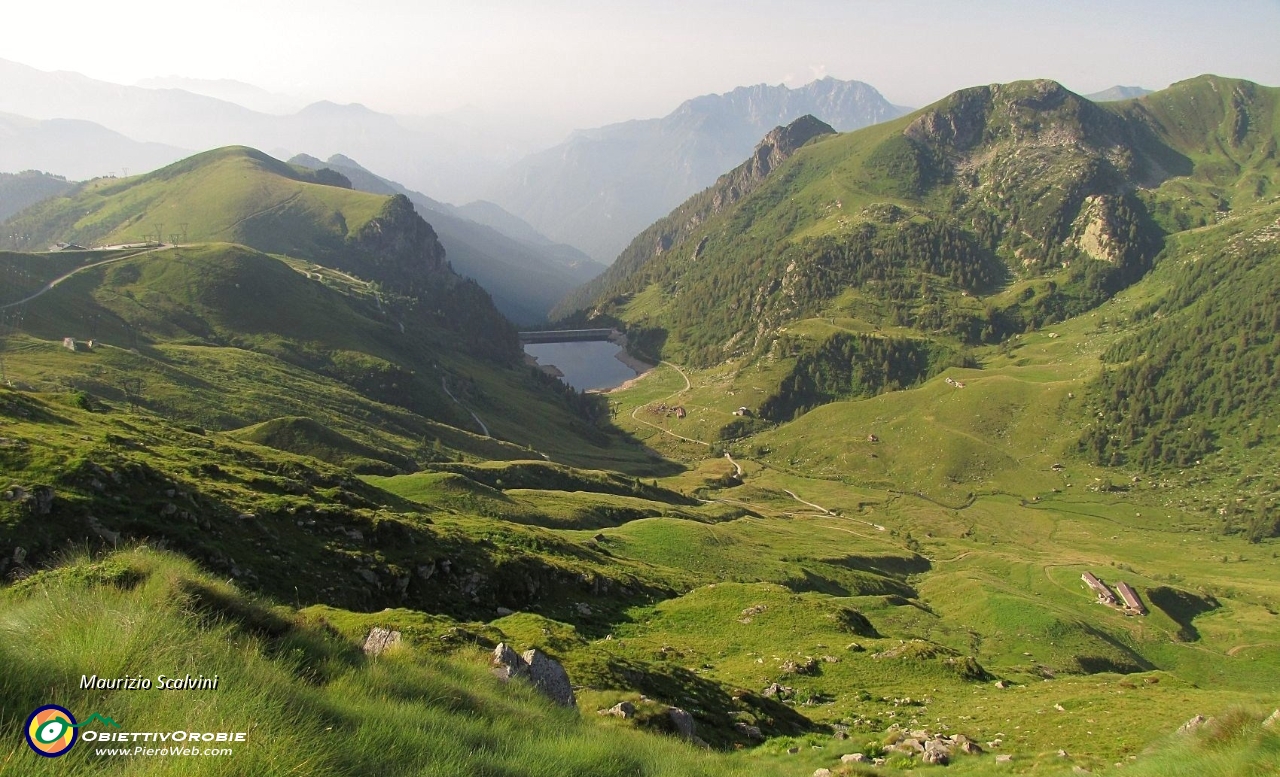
<point>590,365</point>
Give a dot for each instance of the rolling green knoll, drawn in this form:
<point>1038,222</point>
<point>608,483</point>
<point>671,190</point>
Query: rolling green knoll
<point>232,194</point>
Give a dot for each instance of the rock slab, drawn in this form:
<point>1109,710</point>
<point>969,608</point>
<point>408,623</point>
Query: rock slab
<point>379,640</point>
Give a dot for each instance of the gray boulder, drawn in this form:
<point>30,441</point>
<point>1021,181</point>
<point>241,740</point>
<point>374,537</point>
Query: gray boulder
<point>507,663</point>
<point>748,730</point>
<point>682,721</point>
<point>380,640</point>
<point>548,676</point>
<point>936,752</point>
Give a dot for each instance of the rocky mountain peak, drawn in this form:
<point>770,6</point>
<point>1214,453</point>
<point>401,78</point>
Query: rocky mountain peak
<point>782,142</point>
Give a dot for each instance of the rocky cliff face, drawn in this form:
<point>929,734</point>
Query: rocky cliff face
<point>777,147</point>
<point>398,247</point>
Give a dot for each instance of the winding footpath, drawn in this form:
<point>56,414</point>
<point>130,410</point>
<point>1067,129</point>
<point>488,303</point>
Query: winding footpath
<point>51,285</point>
<point>811,504</point>
<point>444,385</point>
<point>687,386</point>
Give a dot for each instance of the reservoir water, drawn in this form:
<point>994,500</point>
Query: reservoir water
<point>586,365</point>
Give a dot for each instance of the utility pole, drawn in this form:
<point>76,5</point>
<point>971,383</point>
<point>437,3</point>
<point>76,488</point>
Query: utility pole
<point>160,233</point>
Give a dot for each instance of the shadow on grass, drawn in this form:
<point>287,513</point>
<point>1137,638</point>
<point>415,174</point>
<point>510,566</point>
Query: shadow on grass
<point>1182,607</point>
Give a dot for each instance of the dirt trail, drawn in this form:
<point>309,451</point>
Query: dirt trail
<point>687,386</point>
<point>445,386</point>
<point>803,502</point>
<point>1233,651</point>
<point>735,464</point>
<point>53,283</point>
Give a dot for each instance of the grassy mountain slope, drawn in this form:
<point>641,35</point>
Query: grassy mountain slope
<point>994,212</point>
<point>992,184</point>
<point>655,603</point>
<point>233,194</point>
<point>147,613</point>
<point>223,336</point>
<point>358,310</point>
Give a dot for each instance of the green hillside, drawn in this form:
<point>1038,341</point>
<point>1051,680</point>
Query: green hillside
<point>232,194</point>
<point>146,613</point>
<point>916,381</point>
<point>990,213</point>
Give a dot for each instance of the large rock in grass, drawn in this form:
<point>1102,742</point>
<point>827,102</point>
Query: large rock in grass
<point>380,640</point>
<point>507,663</point>
<point>542,671</point>
<point>548,676</point>
<point>682,721</point>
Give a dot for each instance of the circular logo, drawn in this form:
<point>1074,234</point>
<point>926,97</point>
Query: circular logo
<point>51,730</point>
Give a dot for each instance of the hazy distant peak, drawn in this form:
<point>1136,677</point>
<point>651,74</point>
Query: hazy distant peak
<point>1116,93</point>
<point>342,160</point>
<point>245,95</point>
<point>306,160</point>
<point>601,187</point>
<point>846,105</point>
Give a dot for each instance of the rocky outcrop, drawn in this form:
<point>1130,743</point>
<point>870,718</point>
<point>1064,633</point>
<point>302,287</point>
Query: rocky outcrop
<point>398,247</point>
<point>507,663</point>
<point>540,670</point>
<point>380,640</point>
<point>682,721</point>
<point>930,748</point>
<point>773,150</point>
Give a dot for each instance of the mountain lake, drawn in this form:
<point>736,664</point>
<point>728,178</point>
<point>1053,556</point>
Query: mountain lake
<point>586,366</point>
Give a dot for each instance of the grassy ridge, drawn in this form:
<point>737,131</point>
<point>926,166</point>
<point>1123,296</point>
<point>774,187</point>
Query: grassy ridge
<point>233,194</point>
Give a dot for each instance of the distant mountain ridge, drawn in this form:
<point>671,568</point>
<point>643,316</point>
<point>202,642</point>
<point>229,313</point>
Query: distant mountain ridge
<point>22,190</point>
<point>603,186</point>
<point>1117,93</point>
<point>427,152</point>
<point>675,229</point>
<point>76,149</point>
<point>524,271</point>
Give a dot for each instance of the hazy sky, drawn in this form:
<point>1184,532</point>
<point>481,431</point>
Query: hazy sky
<point>592,62</point>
